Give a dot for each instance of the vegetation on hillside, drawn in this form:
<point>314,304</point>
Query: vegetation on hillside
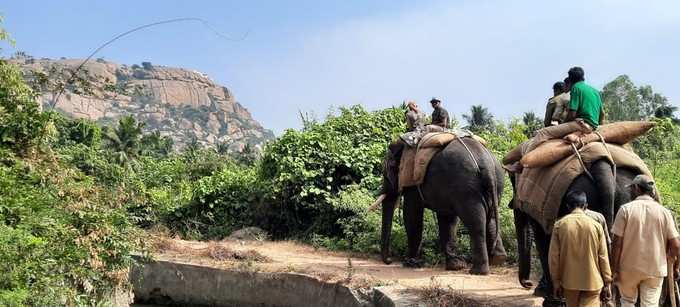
<point>75,196</point>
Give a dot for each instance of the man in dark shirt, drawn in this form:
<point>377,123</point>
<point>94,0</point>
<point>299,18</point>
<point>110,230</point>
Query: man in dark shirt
<point>440,117</point>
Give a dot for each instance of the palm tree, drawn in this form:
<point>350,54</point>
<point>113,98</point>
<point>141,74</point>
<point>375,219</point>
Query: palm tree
<point>124,141</point>
<point>155,144</point>
<point>531,122</point>
<point>479,119</point>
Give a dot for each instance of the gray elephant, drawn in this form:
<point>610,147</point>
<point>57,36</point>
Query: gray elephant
<point>463,181</point>
<point>605,195</point>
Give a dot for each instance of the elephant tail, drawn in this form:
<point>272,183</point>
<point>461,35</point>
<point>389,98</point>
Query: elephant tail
<point>491,195</point>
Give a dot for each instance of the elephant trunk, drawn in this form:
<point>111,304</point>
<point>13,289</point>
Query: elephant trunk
<point>389,203</point>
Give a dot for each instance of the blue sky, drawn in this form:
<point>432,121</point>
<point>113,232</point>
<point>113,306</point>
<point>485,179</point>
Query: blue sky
<point>311,56</point>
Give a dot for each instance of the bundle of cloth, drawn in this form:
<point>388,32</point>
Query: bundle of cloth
<point>550,167</point>
<point>531,154</point>
<point>419,150</point>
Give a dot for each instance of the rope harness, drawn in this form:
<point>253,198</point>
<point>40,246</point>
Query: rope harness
<point>583,164</point>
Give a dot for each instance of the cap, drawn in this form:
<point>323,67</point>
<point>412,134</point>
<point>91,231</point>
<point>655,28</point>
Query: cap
<point>643,181</point>
<point>435,99</point>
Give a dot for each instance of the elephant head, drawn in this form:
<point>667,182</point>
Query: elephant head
<point>389,197</point>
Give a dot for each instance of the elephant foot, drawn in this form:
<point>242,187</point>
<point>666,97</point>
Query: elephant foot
<point>527,284</point>
<point>413,263</point>
<point>551,301</point>
<point>387,260</point>
<point>479,270</point>
<point>455,264</point>
<point>498,259</point>
<point>541,291</point>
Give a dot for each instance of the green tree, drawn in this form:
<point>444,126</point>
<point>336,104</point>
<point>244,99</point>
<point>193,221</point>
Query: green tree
<point>4,35</point>
<point>156,145</point>
<point>479,119</point>
<point>22,124</point>
<point>667,112</point>
<point>623,100</point>
<point>124,140</point>
<point>532,123</point>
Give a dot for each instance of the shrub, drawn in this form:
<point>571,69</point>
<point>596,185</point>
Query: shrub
<point>22,125</point>
<point>64,240</point>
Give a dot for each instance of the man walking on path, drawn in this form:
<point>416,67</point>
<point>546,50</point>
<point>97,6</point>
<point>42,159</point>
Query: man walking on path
<point>644,235</point>
<point>579,265</point>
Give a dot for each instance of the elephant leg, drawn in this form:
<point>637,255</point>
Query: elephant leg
<point>413,222</point>
<point>448,224</point>
<point>494,243</point>
<point>545,287</point>
<point>524,242</point>
<point>474,218</point>
<point>606,186</point>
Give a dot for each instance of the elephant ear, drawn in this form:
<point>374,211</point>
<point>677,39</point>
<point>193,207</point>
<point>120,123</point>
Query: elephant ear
<point>391,168</point>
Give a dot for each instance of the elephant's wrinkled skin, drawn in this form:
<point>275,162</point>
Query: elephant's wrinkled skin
<point>605,196</point>
<point>454,188</point>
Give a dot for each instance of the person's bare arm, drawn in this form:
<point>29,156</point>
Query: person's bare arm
<point>674,253</point>
<point>571,115</point>
<point>616,254</point>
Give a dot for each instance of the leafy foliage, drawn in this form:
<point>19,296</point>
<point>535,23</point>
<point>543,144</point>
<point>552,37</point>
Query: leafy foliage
<point>532,123</point>
<point>125,140</point>
<point>307,168</point>
<point>479,119</point>
<point>623,100</point>
<point>23,126</point>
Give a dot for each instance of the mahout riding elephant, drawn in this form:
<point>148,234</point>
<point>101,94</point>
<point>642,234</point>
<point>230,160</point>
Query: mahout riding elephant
<point>463,181</point>
<point>606,193</point>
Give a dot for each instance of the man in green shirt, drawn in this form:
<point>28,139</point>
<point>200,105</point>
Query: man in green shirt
<point>585,102</point>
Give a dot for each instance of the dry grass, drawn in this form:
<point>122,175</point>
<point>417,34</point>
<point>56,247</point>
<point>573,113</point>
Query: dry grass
<point>213,250</point>
<point>220,252</point>
<point>436,295</point>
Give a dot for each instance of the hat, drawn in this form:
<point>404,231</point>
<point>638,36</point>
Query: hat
<point>643,181</point>
<point>435,99</point>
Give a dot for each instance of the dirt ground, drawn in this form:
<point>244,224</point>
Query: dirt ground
<point>500,288</point>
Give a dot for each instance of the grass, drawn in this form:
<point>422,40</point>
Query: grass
<point>436,295</point>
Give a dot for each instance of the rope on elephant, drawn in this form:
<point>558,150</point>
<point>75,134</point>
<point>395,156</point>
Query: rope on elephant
<point>583,164</point>
<point>604,143</point>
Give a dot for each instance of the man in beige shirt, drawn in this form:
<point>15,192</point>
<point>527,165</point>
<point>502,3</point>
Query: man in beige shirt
<point>558,105</point>
<point>644,231</point>
<point>578,260</point>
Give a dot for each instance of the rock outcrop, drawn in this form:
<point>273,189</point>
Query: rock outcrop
<point>182,104</point>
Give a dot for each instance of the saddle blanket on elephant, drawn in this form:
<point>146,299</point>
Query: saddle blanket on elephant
<point>414,160</point>
<point>540,190</point>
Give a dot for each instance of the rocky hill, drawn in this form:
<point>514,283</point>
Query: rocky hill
<point>183,104</point>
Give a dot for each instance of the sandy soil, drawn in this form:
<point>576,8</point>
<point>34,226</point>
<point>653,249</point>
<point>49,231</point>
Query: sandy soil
<point>499,288</point>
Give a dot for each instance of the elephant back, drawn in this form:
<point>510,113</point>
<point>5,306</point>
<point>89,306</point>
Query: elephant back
<point>540,190</point>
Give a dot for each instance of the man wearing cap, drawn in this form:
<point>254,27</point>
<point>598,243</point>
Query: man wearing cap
<point>578,260</point>
<point>644,235</point>
<point>440,117</point>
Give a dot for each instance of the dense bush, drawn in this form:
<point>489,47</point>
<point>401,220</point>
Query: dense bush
<point>308,168</point>
<point>65,239</point>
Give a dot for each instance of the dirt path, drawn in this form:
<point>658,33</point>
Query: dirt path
<point>499,288</point>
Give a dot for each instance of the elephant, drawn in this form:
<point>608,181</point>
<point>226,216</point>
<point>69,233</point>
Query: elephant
<point>463,181</point>
<point>606,195</point>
